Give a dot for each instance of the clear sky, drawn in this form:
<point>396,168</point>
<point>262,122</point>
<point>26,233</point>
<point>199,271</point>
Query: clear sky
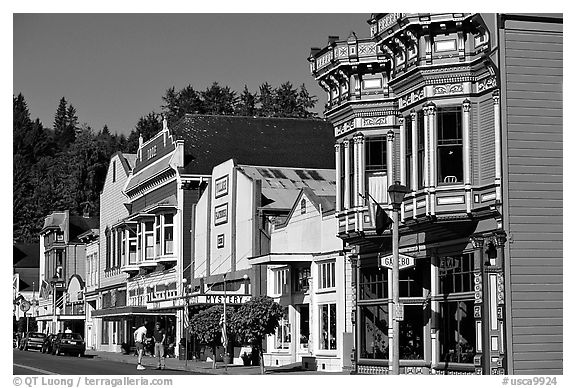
<point>115,68</point>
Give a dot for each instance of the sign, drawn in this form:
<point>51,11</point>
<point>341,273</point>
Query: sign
<point>399,312</point>
<point>25,305</point>
<point>219,299</point>
<point>448,263</point>
<point>404,261</point>
<point>221,186</point>
<point>221,214</point>
<point>220,241</point>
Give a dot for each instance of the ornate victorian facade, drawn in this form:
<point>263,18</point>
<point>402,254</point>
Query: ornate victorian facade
<point>419,102</point>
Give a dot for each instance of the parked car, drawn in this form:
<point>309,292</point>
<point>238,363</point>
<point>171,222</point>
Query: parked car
<point>32,340</point>
<point>70,343</point>
<point>48,343</point>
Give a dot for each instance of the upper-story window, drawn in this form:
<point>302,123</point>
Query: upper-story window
<point>59,235</point>
<point>168,234</point>
<point>108,241</point>
<point>149,240</point>
<point>351,164</point>
<point>376,153</point>
<point>409,156</point>
<point>342,176</point>
<point>301,276</point>
<point>327,275</point>
<point>420,142</point>
<point>132,246</point>
<point>303,206</point>
<point>449,135</point>
<point>280,280</point>
<point>113,171</point>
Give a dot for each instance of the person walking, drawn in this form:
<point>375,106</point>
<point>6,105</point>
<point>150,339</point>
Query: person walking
<point>139,339</point>
<point>159,341</point>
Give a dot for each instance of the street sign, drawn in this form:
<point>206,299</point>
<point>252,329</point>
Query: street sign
<point>404,261</point>
<point>399,312</point>
<point>25,305</point>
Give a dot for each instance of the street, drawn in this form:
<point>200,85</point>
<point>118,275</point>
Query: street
<point>36,363</point>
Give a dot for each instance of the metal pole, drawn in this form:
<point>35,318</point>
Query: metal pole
<point>395,294</point>
<point>186,328</point>
<point>224,328</point>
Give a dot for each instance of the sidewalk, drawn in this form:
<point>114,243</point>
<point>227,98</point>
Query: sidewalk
<point>204,367</point>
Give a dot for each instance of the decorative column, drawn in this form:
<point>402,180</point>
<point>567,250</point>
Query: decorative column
<point>497,147</point>
<point>354,312</point>
<point>346,176</point>
<point>337,147</point>
<point>355,197</point>
<point>414,166</point>
<point>362,201</point>
<point>466,154</point>
<point>433,157</point>
<point>402,159</point>
<point>481,344</point>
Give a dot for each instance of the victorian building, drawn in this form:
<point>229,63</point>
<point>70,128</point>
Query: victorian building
<point>465,110</point>
<point>62,271</point>
<point>172,171</point>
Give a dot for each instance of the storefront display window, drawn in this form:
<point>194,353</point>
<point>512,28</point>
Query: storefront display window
<point>412,333</point>
<point>328,326</point>
<point>456,274</point>
<point>373,283</point>
<point>374,332</point>
<point>457,333</point>
<point>304,326</point>
<point>283,332</point>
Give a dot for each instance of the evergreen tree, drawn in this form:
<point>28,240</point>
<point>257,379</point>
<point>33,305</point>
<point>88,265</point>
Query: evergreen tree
<point>219,100</point>
<point>286,101</point>
<point>246,103</point>
<point>265,100</point>
<point>306,102</point>
<point>60,120</point>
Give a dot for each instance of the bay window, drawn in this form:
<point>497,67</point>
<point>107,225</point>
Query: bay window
<point>157,233</point>
<point>168,234</point>
<point>328,326</point>
<point>449,134</point>
<point>421,141</point>
<point>131,246</point>
<point>149,240</point>
<point>280,280</point>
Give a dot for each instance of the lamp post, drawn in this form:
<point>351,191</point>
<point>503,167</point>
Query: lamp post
<point>185,318</point>
<point>396,193</point>
<point>225,336</point>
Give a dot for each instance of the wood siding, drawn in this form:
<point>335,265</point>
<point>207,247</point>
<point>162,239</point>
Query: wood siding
<point>532,134</point>
<point>154,197</point>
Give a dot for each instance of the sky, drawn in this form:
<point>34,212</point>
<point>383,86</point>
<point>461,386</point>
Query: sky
<point>115,68</point>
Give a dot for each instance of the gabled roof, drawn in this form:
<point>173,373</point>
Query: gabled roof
<point>258,141</point>
<point>26,255</point>
<point>323,202</point>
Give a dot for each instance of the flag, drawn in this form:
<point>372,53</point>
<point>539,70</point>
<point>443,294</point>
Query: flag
<point>224,336</point>
<point>383,222</point>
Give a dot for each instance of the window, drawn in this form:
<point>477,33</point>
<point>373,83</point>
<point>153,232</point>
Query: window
<point>408,132</point>
<point>351,162</point>
<point>132,246</point>
<point>327,275</point>
<point>411,333</point>
<point>412,279</point>
<point>342,176</point>
<point>59,235</point>
<point>139,241</point>
<point>449,130</point>
<point>457,274</point>
<point>301,276</point>
<point>328,326</point>
<point>149,240</point>
<point>280,280</point>
<point>303,206</point>
<point>168,234</point>
<point>283,332</point>
<point>113,249</point>
<point>122,247</point>
<point>374,331</point>
<point>421,141</point>
<point>113,171</point>
<point>105,332</point>
<point>375,153</point>
<point>157,232</point>
<point>304,326</point>
<point>373,283</point>
<point>457,331</point>
<point>108,243</point>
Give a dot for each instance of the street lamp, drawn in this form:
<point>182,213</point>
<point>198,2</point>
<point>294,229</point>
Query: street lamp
<point>185,320</point>
<point>396,193</point>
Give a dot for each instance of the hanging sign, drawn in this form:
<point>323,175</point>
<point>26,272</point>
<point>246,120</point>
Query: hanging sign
<point>404,261</point>
<point>25,305</point>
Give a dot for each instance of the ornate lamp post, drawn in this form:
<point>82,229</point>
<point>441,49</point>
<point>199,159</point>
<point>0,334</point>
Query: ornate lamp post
<point>396,193</point>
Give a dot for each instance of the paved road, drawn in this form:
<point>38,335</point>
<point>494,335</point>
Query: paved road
<point>36,363</point>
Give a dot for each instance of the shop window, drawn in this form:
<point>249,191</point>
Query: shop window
<point>283,332</point>
<point>456,274</point>
<point>326,275</point>
<point>412,333</point>
<point>105,332</point>
<point>328,326</point>
<point>301,276</point>
<point>449,135</point>
<point>408,132</point>
<point>373,283</point>
<point>457,331</point>
<point>304,326</point>
<point>412,279</point>
<point>280,280</point>
<point>168,234</point>
<point>374,332</point>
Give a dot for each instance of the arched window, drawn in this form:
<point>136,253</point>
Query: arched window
<point>303,206</point>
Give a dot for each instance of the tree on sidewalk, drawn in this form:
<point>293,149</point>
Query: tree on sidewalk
<point>254,320</point>
<point>207,328</point>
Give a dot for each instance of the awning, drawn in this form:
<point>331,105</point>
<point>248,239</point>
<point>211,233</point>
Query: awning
<point>281,258</point>
<point>118,311</point>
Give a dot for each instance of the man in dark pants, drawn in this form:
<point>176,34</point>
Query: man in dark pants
<point>159,340</point>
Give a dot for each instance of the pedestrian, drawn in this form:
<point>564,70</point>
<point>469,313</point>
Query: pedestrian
<point>139,338</point>
<point>159,341</point>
